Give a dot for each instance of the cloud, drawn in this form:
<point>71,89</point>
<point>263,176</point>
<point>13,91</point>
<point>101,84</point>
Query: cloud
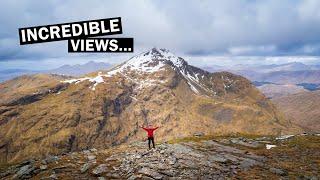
<point>206,27</point>
<point>266,50</point>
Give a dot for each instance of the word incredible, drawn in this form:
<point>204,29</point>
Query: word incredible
<point>73,30</point>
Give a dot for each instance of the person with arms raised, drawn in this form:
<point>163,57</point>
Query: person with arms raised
<point>150,131</point>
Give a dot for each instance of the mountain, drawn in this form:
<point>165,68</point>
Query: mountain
<point>293,66</point>
<point>278,90</point>
<point>291,77</point>
<point>289,73</point>
<point>302,109</point>
<point>12,73</point>
<point>47,114</point>
<point>69,70</point>
<point>79,70</point>
<point>281,77</point>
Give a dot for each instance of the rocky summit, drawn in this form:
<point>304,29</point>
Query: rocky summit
<point>43,115</point>
<point>236,157</point>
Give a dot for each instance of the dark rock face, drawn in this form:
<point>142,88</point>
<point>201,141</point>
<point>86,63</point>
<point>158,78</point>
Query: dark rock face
<point>28,99</point>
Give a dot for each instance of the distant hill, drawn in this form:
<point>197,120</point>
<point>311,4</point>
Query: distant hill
<point>12,73</point>
<point>78,70</point>
<point>302,109</point>
<point>289,73</point>
<point>293,66</point>
<point>69,70</point>
<point>290,77</point>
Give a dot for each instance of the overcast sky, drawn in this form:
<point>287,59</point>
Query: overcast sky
<point>205,32</point>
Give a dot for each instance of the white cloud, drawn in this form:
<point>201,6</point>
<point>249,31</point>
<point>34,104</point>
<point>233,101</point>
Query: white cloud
<point>252,50</point>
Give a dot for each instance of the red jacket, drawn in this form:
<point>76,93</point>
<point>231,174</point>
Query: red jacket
<point>150,131</point>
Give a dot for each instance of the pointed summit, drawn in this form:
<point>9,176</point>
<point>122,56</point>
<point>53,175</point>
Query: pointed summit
<point>159,52</point>
<point>151,61</point>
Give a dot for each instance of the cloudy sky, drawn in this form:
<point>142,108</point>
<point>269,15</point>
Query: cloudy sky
<point>205,32</point>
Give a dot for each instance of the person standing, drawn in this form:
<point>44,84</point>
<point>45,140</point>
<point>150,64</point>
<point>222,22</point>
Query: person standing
<point>150,131</point>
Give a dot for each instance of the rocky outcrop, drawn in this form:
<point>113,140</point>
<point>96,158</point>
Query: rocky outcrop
<point>198,158</point>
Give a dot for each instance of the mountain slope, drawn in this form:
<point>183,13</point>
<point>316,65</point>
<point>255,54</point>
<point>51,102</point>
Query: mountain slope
<point>29,86</point>
<point>291,77</point>
<point>302,109</point>
<point>12,73</point>
<point>279,90</point>
<point>105,108</point>
<point>69,70</point>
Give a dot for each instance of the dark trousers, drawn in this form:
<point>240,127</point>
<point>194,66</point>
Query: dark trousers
<point>150,139</point>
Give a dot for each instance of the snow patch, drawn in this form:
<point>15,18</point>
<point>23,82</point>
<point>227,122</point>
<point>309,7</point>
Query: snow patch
<point>194,89</point>
<point>269,146</point>
<point>147,83</point>
<point>284,137</point>
<point>96,80</point>
<point>134,98</point>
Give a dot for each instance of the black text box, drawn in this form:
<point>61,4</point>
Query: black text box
<point>87,45</point>
<point>58,32</point>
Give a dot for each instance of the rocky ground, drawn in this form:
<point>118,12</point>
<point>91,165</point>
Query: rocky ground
<point>236,157</point>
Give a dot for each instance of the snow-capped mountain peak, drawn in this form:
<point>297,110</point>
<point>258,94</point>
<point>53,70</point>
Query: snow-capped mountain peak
<point>166,55</point>
<point>151,61</point>
<point>155,54</point>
